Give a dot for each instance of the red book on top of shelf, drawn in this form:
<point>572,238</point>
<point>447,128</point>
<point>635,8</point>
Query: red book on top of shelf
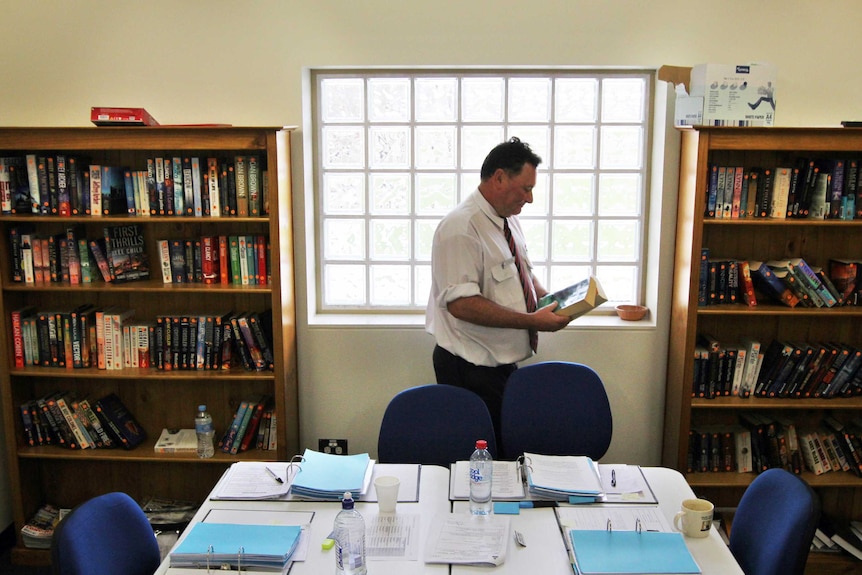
<point>104,116</point>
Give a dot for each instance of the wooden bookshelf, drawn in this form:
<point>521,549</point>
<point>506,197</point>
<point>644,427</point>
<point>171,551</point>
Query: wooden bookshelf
<point>757,239</point>
<point>157,398</point>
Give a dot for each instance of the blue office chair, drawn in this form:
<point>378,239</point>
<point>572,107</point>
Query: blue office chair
<point>555,408</point>
<point>434,424</point>
<point>774,524</point>
<point>105,535</point>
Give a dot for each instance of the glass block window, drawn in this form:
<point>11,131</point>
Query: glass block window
<point>395,151</point>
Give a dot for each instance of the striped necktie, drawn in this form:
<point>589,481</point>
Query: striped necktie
<point>526,282</point>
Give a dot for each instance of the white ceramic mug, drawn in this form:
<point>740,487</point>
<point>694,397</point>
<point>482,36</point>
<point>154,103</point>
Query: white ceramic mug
<point>695,518</point>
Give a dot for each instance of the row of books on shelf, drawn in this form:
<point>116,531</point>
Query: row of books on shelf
<point>64,420</point>
<point>791,282</point>
<point>824,188</point>
<point>68,185</point>
<point>69,257</point>
<point>120,255</point>
<point>759,442</point>
<point>110,338</point>
<point>254,423</point>
<point>779,369</point>
<point>226,260</point>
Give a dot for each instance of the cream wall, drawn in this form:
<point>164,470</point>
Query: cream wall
<point>191,61</point>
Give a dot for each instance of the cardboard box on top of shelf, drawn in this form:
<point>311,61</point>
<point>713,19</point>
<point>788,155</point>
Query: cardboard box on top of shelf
<point>723,94</point>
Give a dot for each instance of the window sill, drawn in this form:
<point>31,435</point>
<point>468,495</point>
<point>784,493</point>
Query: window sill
<point>596,320</point>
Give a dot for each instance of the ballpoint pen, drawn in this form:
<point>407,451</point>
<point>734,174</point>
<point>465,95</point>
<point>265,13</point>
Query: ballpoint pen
<point>274,476</point>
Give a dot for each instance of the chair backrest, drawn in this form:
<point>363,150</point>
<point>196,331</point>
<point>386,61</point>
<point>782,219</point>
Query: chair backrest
<point>774,524</point>
<point>106,535</point>
<point>555,408</point>
<point>434,424</point>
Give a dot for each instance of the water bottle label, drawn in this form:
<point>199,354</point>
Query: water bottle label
<point>476,475</point>
<point>339,558</point>
<point>203,427</point>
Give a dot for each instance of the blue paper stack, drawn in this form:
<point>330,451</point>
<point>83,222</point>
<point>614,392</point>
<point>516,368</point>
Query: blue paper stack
<point>327,476</point>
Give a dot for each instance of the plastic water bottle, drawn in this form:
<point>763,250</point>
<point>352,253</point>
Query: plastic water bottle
<point>349,532</point>
<point>481,474</point>
<point>205,432</point>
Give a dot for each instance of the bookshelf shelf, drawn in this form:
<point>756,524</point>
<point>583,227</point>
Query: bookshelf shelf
<point>756,239</point>
<point>774,310</point>
<point>763,403</point>
<point>157,398</point>
<point>142,286</point>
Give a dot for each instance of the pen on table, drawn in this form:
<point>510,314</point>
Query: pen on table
<point>274,476</point>
<point>536,504</point>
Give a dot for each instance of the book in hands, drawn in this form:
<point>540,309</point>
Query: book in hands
<point>577,299</point>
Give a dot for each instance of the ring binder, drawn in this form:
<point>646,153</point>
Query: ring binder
<point>227,546</point>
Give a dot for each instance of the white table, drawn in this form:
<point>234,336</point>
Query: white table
<point>433,499</point>
<point>546,552</point>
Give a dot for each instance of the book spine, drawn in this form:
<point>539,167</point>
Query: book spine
<point>242,206</point>
<point>262,338</point>
<point>253,187</point>
<point>64,432</point>
<point>101,260</point>
<point>243,427</point>
<point>736,203</point>
<point>250,436</point>
<point>233,430</point>
<point>261,267</point>
<point>70,422</point>
<point>5,188</point>
<point>179,191</point>
<point>32,164</point>
<point>214,198</point>
<point>254,352</point>
<point>197,187</point>
<point>227,185</point>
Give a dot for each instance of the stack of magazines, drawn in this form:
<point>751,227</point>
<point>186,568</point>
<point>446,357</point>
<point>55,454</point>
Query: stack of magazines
<point>38,532</point>
<point>327,476</point>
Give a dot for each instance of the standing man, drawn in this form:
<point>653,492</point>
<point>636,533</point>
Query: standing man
<point>482,307</point>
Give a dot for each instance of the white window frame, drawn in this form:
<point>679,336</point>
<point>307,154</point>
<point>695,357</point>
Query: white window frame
<point>467,179</point>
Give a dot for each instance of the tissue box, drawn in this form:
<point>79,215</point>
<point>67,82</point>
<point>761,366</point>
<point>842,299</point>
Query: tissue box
<point>723,94</point>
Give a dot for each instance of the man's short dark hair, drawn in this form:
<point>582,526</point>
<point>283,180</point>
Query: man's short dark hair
<point>510,156</point>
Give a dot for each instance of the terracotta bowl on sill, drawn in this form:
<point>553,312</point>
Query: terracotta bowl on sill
<point>631,312</point>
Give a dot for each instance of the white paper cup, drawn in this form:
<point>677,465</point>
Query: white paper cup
<point>695,518</point>
<point>387,493</point>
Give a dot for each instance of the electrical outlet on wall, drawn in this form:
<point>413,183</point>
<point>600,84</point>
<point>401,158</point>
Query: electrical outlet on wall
<point>333,446</point>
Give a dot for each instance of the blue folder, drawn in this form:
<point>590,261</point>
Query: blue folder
<point>620,552</point>
<point>262,546</point>
<point>327,476</point>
